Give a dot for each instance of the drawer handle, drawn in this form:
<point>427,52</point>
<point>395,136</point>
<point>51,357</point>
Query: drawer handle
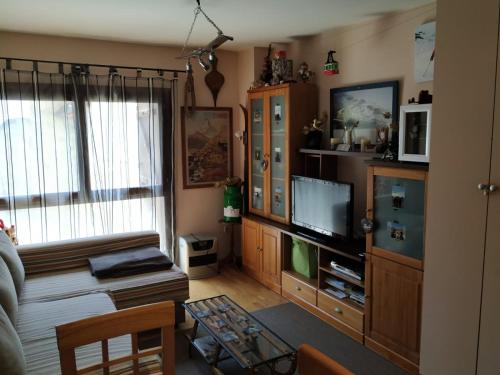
<point>338,310</point>
<point>298,288</point>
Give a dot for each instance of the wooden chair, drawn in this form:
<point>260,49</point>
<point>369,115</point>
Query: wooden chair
<point>312,362</point>
<point>123,322</point>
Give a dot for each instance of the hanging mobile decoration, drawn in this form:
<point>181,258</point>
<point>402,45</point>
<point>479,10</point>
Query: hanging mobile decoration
<point>331,65</point>
<point>205,55</point>
<point>206,58</point>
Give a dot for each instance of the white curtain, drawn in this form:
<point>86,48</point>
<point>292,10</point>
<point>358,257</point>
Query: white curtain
<point>85,154</point>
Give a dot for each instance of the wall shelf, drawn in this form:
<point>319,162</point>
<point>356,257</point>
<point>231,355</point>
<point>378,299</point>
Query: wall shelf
<point>340,153</point>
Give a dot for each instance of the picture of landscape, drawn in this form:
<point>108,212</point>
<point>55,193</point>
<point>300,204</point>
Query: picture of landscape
<point>371,107</point>
<point>206,146</point>
<point>425,41</point>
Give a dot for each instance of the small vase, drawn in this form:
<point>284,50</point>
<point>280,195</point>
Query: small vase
<point>348,136</point>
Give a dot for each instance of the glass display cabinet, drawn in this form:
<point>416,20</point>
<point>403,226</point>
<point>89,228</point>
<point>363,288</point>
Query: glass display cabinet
<point>277,117</point>
<point>394,261</point>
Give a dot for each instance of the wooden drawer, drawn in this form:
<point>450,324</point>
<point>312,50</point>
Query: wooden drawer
<point>298,288</point>
<point>341,311</point>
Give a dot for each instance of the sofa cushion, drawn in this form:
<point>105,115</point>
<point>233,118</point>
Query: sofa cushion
<point>8,296</point>
<point>36,327</point>
<point>126,291</point>
<point>12,360</point>
<point>9,254</point>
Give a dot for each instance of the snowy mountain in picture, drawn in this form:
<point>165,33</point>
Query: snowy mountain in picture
<point>425,39</point>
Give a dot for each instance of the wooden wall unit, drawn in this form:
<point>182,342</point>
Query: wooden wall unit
<point>277,115</point>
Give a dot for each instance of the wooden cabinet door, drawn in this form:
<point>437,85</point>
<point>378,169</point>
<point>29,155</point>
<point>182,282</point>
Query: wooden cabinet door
<point>250,249</point>
<point>270,241</point>
<point>394,306</point>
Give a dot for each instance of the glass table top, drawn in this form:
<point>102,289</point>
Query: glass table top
<point>240,334</point>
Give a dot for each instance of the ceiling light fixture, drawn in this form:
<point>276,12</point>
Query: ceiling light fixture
<point>209,49</point>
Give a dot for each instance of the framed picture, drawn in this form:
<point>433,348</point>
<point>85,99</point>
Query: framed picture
<point>206,146</point>
<point>414,132</point>
<point>374,105</point>
<point>425,41</point>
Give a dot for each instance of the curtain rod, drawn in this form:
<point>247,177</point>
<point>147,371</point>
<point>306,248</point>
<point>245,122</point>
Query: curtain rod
<point>160,70</point>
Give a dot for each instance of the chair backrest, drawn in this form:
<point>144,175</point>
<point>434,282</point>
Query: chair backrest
<point>313,362</point>
<point>119,323</point>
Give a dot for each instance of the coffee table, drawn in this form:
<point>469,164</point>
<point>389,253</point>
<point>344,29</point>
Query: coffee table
<point>232,332</point>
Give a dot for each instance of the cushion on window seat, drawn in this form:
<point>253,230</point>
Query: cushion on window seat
<point>36,327</point>
<point>126,291</point>
<point>9,254</point>
<point>8,295</point>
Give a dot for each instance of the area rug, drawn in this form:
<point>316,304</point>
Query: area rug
<point>296,326</point>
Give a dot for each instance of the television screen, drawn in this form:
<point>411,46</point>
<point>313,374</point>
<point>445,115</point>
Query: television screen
<point>322,206</point>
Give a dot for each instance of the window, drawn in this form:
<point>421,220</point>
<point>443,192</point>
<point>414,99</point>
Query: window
<point>84,155</point>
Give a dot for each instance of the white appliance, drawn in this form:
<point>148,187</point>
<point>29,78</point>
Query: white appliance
<point>198,255</point>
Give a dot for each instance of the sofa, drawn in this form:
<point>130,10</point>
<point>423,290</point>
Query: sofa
<point>47,285</point>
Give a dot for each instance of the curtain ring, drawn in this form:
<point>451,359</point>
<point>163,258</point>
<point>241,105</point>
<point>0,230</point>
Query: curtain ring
<point>61,68</point>
<point>8,64</point>
<point>139,73</point>
<point>35,66</point>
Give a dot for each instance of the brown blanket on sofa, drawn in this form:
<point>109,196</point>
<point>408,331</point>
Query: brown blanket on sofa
<point>129,262</point>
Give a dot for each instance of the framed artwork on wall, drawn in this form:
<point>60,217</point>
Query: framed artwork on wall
<point>414,132</point>
<point>372,106</point>
<point>206,146</point>
<point>425,42</point>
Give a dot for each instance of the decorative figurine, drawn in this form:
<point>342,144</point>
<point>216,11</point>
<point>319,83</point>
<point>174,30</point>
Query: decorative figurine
<point>314,132</point>
<point>281,68</point>
<point>304,74</point>
<point>331,65</point>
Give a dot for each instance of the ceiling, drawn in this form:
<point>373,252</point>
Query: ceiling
<point>166,22</point>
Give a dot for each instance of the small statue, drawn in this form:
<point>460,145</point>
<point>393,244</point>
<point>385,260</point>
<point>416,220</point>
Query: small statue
<point>10,232</point>
<point>304,74</point>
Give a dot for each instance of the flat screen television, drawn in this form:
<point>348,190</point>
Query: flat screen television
<point>322,206</point>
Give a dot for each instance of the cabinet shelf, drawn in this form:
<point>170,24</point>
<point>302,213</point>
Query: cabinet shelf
<point>355,154</point>
<point>340,275</point>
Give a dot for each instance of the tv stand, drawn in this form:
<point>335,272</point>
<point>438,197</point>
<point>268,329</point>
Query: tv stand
<point>263,237</point>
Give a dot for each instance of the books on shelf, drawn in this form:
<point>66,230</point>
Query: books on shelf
<point>345,271</point>
<point>357,296</point>
<point>336,293</point>
<point>338,284</point>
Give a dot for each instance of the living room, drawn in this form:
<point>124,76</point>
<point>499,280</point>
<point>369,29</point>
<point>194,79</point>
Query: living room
<point>124,131</point>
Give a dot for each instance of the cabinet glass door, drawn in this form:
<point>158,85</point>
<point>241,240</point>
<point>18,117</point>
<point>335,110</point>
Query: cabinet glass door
<point>257,153</point>
<point>277,123</point>
<point>398,208</point>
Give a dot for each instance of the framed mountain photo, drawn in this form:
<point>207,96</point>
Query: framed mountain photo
<point>206,146</point>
